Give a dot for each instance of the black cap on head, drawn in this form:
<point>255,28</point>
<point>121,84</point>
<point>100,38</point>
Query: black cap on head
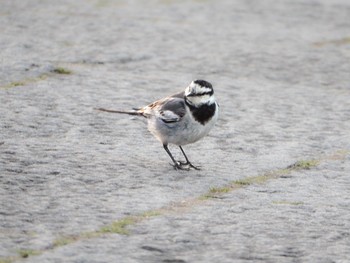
<point>203,83</point>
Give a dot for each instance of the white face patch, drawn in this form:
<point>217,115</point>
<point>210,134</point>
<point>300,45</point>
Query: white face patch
<point>199,100</point>
<point>194,88</point>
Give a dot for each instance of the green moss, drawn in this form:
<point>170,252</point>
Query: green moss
<point>243,182</point>
<point>24,253</point>
<point>214,192</point>
<point>299,165</point>
<point>220,190</point>
<point>151,213</point>
<point>7,260</point>
<point>63,241</point>
<point>260,179</point>
<point>119,227</point>
<point>43,76</point>
<point>25,81</point>
<point>61,70</point>
<point>16,84</point>
<point>281,172</point>
<point>252,180</point>
<point>13,84</point>
<point>304,165</point>
<point>116,227</point>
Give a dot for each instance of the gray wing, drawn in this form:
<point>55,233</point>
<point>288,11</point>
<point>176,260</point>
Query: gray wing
<point>180,95</point>
<point>172,110</point>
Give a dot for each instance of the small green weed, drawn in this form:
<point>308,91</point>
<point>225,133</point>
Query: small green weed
<point>61,70</point>
<point>119,227</point>
<point>24,253</point>
<point>252,180</point>
<point>151,213</point>
<point>63,241</point>
<point>7,260</point>
<point>303,165</point>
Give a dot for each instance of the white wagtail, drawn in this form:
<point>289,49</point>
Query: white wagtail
<point>180,119</point>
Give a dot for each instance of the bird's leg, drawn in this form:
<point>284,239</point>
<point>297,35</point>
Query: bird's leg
<point>187,161</point>
<point>177,165</point>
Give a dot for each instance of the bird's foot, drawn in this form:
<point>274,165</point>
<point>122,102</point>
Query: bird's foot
<point>188,164</point>
<point>179,166</point>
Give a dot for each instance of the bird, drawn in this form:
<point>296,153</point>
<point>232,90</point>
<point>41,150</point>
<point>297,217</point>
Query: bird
<point>180,119</point>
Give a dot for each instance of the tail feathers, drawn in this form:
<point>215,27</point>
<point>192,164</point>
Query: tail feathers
<point>134,112</point>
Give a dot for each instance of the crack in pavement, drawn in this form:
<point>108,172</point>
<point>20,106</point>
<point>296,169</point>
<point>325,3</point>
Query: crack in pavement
<point>123,225</point>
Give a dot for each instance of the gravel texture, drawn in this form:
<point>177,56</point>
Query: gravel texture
<point>280,71</point>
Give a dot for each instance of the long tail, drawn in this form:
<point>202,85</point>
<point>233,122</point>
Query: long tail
<point>134,112</point>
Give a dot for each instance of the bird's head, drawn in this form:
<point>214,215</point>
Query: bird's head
<point>199,92</point>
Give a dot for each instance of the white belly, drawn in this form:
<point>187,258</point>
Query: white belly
<point>186,131</point>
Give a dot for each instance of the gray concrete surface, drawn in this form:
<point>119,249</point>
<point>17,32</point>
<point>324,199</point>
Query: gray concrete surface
<point>281,75</point>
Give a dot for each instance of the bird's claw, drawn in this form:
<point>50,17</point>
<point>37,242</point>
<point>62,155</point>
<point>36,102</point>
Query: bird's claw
<point>179,166</point>
<point>182,166</point>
